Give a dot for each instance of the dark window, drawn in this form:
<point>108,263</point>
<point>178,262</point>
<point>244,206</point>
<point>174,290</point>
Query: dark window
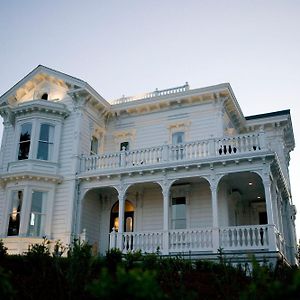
<point>124,145</point>
<point>24,143</point>
<point>45,147</point>
<point>178,213</point>
<point>178,138</point>
<point>44,96</point>
<point>94,146</point>
<point>15,213</point>
<point>263,218</point>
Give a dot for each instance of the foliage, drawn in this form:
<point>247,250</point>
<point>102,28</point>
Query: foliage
<point>132,284</point>
<point>38,250</point>
<point>135,276</point>
<point>3,250</point>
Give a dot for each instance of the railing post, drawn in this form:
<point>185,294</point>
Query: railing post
<point>165,152</point>
<point>272,238</point>
<point>262,139</point>
<point>122,157</point>
<point>112,239</point>
<point>211,147</point>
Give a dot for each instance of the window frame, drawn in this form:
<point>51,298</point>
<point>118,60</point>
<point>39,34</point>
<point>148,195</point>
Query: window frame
<point>174,219</point>
<point>44,187</point>
<point>43,213</point>
<point>36,124</point>
<point>49,143</point>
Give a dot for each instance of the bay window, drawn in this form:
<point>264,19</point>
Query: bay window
<point>36,140</point>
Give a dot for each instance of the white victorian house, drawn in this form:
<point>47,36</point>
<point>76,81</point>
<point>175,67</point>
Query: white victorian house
<point>178,170</point>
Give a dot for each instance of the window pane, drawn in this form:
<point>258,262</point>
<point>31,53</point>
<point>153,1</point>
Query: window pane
<point>125,145</point>
<point>24,144</point>
<point>178,138</point>
<point>43,151</point>
<point>24,148</point>
<point>178,213</point>
<point>25,132</point>
<point>94,146</point>
<point>15,213</point>
<point>37,214</point>
<point>45,145</point>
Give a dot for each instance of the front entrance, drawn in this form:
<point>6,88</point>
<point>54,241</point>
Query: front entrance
<point>128,217</point>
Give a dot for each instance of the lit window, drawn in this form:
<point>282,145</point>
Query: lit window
<point>24,143</point>
<point>45,146</point>
<point>15,213</point>
<point>178,213</point>
<point>94,146</point>
<point>37,214</point>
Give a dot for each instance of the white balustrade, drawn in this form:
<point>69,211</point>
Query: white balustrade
<point>146,242</point>
<point>234,238</point>
<point>169,153</point>
<point>190,240</point>
<point>244,237</point>
<point>237,144</point>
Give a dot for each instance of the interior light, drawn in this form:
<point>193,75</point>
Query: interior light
<point>258,197</point>
<point>250,183</point>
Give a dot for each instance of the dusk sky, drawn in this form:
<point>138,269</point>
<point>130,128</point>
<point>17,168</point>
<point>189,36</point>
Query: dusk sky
<point>130,47</point>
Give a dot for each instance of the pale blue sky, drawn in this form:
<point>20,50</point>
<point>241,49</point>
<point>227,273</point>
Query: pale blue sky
<point>129,47</point>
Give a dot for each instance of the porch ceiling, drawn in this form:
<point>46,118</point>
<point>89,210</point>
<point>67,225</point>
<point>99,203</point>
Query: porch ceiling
<point>248,184</point>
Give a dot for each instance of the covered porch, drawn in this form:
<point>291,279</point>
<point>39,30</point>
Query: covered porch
<point>190,215</point>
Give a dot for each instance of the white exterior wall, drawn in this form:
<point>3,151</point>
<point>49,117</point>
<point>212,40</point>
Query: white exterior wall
<point>200,206</point>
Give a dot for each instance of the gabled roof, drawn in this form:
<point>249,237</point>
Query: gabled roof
<point>73,82</point>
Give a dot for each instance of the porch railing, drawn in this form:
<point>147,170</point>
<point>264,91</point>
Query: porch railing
<point>235,238</point>
<point>169,153</point>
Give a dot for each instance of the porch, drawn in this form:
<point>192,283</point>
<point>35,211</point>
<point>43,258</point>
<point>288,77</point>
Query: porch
<point>252,238</point>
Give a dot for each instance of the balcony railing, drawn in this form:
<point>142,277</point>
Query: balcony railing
<point>156,93</point>
<point>235,238</point>
<point>196,150</point>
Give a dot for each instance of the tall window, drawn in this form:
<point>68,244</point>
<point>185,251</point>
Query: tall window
<point>178,213</point>
<point>24,143</point>
<point>36,224</point>
<point>94,146</point>
<point>178,138</point>
<point>45,146</point>
<point>15,213</point>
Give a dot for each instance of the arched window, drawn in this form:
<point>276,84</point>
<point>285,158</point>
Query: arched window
<point>94,146</point>
<point>44,96</point>
<point>128,217</point>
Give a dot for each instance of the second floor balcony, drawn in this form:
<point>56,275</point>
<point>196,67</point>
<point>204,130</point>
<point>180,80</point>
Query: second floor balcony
<point>191,152</point>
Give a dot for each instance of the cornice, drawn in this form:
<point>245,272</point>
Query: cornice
<point>32,176</point>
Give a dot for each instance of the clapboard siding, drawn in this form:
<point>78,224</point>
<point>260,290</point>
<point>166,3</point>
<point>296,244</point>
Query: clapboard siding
<point>91,217</point>
<point>154,129</point>
<point>200,207</point>
<point>152,210</point>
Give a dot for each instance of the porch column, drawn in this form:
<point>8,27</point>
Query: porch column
<point>121,197</point>
<point>269,206</point>
<point>215,216</point>
<point>166,196</point>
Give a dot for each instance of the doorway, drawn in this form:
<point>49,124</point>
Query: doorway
<point>128,217</point>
